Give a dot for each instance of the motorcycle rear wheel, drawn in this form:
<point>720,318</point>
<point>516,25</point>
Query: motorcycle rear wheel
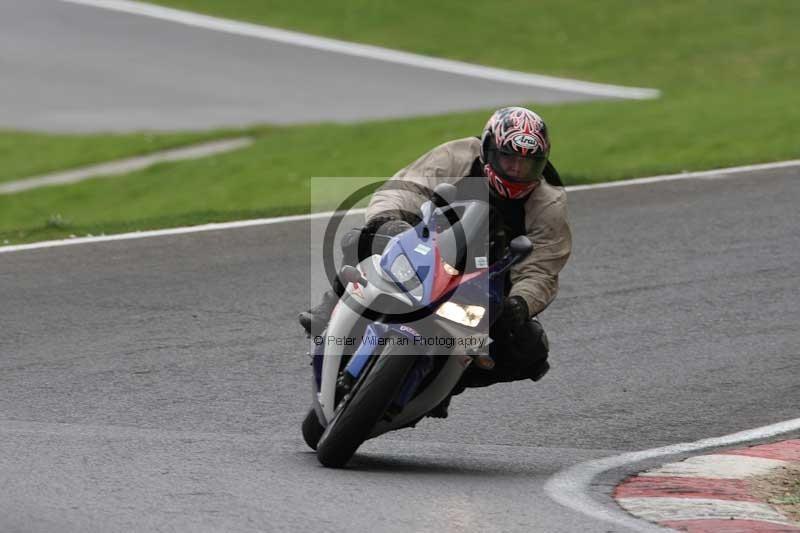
<point>364,407</point>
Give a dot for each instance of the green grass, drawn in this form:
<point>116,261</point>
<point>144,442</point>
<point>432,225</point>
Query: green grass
<point>271,177</point>
<point>24,154</point>
<point>670,44</point>
<point>729,71</point>
<point>786,492</point>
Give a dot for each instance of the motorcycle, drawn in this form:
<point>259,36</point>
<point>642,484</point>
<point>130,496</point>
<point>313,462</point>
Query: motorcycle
<point>411,321</point>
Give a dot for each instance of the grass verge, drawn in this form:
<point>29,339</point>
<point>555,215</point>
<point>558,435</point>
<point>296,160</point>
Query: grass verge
<point>728,70</point>
<point>25,154</point>
<point>271,177</point>
<point>676,45</point>
<point>781,489</point>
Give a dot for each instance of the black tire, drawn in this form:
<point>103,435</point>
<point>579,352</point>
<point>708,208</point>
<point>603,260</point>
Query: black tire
<point>357,414</point>
<point>312,429</point>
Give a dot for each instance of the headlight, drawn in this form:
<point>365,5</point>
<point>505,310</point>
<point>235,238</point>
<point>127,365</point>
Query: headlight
<point>402,270</point>
<point>468,315</point>
<point>406,277</point>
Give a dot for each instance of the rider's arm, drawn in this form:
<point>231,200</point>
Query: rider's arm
<point>536,277</point>
<point>402,195</point>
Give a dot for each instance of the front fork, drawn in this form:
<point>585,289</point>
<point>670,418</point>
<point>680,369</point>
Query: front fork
<point>326,367</point>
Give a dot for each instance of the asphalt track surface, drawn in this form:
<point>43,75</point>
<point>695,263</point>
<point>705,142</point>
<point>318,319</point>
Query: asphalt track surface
<point>159,384</point>
<point>67,67</point>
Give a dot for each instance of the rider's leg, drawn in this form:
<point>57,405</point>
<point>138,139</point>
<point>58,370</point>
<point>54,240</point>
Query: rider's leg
<point>531,349</point>
<point>521,354</point>
<point>315,320</point>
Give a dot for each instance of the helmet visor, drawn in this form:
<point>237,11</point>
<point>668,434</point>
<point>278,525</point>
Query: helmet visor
<point>516,167</point>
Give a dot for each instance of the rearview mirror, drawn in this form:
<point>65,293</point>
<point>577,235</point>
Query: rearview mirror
<point>444,194</point>
<point>351,274</point>
<point>521,246</point>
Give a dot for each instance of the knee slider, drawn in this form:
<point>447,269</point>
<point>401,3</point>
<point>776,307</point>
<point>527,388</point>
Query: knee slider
<point>538,337</point>
<point>540,347</point>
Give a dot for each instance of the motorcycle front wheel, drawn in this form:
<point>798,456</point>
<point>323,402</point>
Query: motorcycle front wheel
<point>364,407</point>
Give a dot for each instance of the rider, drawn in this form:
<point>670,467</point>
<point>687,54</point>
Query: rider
<point>512,155</point>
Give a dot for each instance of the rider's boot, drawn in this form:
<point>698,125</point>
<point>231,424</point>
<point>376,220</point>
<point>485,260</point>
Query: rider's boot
<point>316,319</point>
<point>539,371</point>
<point>539,348</point>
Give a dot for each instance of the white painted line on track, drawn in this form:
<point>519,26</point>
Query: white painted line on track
<point>679,509</point>
<point>126,166</point>
<point>174,231</point>
<point>570,487</point>
<point>368,51</point>
<point>717,466</point>
<point>705,174</point>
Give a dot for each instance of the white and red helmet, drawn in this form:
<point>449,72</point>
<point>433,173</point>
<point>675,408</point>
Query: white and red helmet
<point>514,150</point>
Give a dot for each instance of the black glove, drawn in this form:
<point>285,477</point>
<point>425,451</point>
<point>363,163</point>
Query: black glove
<point>360,243</point>
<point>515,312</point>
